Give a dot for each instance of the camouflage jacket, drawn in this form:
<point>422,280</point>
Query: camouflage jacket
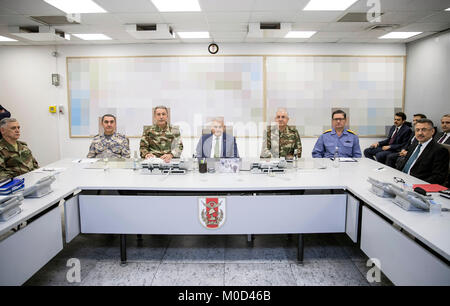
<point>15,162</point>
<point>116,146</point>
<point>161,141</point>
<point>281,144</point>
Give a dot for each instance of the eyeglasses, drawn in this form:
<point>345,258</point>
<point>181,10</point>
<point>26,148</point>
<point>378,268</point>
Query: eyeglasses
<point>423,130</point>
<point>338,119</point>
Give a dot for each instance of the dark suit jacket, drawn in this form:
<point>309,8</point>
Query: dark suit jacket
<point>402,138</point>
<point>229,146</point>
<point>439,135</point>
<point>432,164</point>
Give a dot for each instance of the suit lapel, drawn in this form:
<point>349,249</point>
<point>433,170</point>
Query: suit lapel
<point>207,146</point>
<point>425,153</point>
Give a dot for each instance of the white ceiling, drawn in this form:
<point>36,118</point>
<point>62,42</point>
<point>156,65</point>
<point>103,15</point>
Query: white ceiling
<point>227,20</point>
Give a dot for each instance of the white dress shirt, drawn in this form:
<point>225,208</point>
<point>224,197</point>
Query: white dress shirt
<point>445,138</point>
<point>424,145</point>
<point>213,145</point>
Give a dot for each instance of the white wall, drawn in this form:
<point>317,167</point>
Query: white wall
<point>428,77</point>
<point>26,90</point>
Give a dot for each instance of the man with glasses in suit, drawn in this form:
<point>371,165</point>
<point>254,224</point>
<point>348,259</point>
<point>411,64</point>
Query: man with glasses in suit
<point>426,160</point>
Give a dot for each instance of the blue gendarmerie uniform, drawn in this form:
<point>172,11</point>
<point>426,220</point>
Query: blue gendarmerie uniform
<point>348,144</point>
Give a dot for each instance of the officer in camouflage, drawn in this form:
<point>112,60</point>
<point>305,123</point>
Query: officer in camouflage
<point>110,144</point>
<point>161,139</point>
<point>15,156</point>
<point>281,140</point>
<point>345,140</point>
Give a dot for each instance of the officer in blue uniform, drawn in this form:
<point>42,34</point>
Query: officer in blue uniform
<point>345,140</point>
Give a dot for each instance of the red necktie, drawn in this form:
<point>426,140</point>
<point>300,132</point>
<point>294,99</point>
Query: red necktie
<point>393,136</point>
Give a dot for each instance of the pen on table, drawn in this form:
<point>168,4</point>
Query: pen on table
<point>381,168</point>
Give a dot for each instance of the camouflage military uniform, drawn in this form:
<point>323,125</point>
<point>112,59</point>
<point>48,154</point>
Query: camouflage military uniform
<point>115,146</point>
<point>161,141</point>
<point>15,162</point>
<point>278,143</point>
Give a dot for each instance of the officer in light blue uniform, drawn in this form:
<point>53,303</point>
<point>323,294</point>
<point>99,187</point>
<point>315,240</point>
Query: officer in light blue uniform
<point>345,140</point>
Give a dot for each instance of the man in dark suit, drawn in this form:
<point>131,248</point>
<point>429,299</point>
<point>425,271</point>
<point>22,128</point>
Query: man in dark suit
<point>444,136</point>
<point>392,158</point>
<point>427,160</point>
<point>218,143</point>
<point>399,135</point>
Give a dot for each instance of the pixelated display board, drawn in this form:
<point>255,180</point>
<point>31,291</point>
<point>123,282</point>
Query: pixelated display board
<point>369,89</point>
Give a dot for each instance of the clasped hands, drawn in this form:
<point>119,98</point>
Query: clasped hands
<point>166,157</point>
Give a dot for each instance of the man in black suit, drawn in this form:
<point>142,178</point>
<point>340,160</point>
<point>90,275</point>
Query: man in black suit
<point>444,136</point>
<point>399,135</point>
<point>427,160</point>
<point>392,158</point>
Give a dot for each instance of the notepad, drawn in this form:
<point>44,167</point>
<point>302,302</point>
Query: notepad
<point>430,187</point>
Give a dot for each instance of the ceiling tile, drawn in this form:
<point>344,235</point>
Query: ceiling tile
<point>403,17</point>
<point>30,7</point>
<point>17,20</point>
<point>347,26</point>
<point>186,17</point>
<point>437,17</point>
<point>425,27</point>
<point>228,27</point>
<point>281,16</point>
<point>279,5</point>
<point>99,19</point>
<point>127,6</point>
<point>227,17</point>
<point>313,16</point>
<point>226,5</point>
<point>139,18</point>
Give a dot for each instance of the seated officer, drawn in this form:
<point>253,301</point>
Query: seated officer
<point>399,135</point>
<point>281,140</point>
<point>161,139</point>
<point>15,156</point>
<point>346,141</point>
<point>218,143</point>
<point>110,144</point>
<point>426,160</point>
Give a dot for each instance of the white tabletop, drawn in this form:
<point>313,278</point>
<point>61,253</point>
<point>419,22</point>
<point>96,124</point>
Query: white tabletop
<point>432,230</point>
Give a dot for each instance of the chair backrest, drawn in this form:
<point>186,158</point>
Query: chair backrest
<point>448,149</point>
<point>206,130</point>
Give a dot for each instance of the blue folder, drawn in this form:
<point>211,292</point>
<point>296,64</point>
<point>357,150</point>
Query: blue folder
<point>12,186</point>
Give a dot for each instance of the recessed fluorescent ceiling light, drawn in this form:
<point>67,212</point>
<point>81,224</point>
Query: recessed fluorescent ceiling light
<point>328,5</point>
<point>177,5</point>
<point>193,34</point>
<point>400,35</point>
<point>448,9</point>
<point>300,34</point>
<point>92,36</point>
<point>3,38</point>
<point>76,6</point>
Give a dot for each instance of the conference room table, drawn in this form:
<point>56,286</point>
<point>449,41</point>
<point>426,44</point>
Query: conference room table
<point>313,196</point>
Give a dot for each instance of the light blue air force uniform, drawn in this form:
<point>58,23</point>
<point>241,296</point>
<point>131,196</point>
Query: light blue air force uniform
<point>347,143</point>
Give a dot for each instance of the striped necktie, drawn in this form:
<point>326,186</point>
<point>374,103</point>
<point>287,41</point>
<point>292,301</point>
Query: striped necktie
<point>217,148</point>
<point>412,158</point>
<point>441,140</point>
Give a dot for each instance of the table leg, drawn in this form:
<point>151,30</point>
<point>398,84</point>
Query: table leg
<point>300,249</point>
<point>139,240</point>
<point>123,250</point>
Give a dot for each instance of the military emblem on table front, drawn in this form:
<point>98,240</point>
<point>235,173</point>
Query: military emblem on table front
<point>212,212</point>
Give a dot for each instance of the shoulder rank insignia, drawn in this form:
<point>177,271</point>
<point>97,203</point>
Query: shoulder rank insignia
<point>350,131</point>
<point>328,131</point>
